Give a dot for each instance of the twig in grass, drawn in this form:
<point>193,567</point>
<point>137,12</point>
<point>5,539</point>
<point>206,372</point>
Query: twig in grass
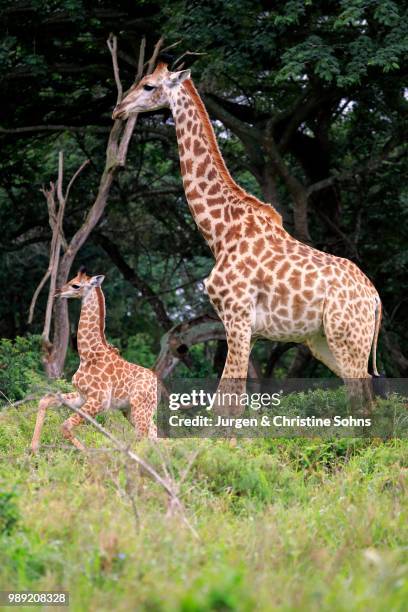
<point>129,489</point>
<point>168,484</point>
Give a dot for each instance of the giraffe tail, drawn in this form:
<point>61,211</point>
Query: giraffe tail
<point>378,317</point>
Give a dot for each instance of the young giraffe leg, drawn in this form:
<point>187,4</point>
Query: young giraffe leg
<point>92,406</point>
<point>143,405</point>
<point>48,401</point>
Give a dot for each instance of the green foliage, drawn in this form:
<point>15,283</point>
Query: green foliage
<point>9,514</point>
<point>21,370</point>
<point>214,591</point>
<point>201,364</point>
<point>310,456</point>
<point>331,72</point>
<point>139,350</point>
<point>329,517</point>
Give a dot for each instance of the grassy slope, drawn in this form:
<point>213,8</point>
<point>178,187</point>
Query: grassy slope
<point>283,525</point>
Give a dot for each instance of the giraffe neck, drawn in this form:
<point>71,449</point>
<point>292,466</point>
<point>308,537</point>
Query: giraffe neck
<point>91,329</point>
<point>213,196</point>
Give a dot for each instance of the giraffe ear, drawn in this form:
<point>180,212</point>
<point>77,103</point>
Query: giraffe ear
<point>175,78</point>
<point>96,281</point>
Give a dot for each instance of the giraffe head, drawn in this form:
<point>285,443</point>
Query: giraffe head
<point>80,285</point>
<point>151,93</point>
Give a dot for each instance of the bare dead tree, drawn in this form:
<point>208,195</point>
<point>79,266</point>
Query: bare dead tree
<point>59,267</point>
<point>56,203</point>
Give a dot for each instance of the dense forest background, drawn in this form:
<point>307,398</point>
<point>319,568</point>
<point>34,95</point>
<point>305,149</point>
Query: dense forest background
<point>325,77</point>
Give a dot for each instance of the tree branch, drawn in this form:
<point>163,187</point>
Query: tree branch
<point>116,152</point>
<point>364,168</point>
<point>168,484</point>
<point>134,279</point>
<point>294,186</point>
<point>176,342</point>
<point>112,43</point>
<point>53,128</point>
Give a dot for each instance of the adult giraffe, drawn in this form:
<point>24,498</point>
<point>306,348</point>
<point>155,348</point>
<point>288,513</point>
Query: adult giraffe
<point>264,282</point>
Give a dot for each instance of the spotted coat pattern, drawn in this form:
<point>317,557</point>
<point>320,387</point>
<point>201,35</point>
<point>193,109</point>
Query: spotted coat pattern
<point>265,283</point>
<point>104,379</point>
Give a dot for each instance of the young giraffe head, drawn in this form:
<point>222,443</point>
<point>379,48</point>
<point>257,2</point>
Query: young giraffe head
<point>80,285</point>
<point>151,93</point>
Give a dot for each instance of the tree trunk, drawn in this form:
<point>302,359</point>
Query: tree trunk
<point>220,357</point>
<point>176,343</point>
<point>302,358</point>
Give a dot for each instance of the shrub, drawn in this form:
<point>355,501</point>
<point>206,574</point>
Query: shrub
<point>21,369</point>
<point>9,514</point>
<point>139,350</point>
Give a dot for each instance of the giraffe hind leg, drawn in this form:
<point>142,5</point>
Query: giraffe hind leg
<point>320,349</point>
<point>92,406</point>
<point>350,344</point>
<point>143,406</point>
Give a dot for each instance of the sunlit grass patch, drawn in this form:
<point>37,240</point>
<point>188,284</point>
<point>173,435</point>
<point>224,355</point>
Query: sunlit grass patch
<point>282,524</point>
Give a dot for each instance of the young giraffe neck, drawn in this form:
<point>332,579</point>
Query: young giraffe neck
<point>91,330</point>
<point>213,196</point>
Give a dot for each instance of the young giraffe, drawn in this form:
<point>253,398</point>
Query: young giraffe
<point>104,379</point>
<point>264,282</point>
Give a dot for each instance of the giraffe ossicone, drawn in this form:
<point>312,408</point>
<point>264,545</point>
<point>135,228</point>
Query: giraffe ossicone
<point>104,379</point>
<point>265,283</point>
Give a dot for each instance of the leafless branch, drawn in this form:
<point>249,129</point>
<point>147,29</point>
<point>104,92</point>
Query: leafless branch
<point>189,465</point>
<point>36,294</point>
<point>56,215</point>
<point>364,168</point>
<point>152,61</point>
<point>129,489</point>
<point>175,44</point>
<point>178,60</point>
<point>53,128</point>
<point>116,153</point>
<point>112,43</point>
<point>131,122</point>
<point>140,64</point>
<point>75,176</point>
<point>60,176</point>
<point>124,143</point>
<point>296,189</point>
<point>168,484</point>
<point>176,343</point>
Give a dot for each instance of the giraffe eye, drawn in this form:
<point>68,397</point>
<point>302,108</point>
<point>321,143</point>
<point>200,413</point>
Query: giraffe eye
<point>149,87</point>
<point>76,286</point>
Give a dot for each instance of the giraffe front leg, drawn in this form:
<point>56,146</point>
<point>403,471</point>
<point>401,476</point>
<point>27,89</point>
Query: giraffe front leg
<point>49,401</point>
<point>239,346</point>
<point>92,406</point>
<point>233,380</point>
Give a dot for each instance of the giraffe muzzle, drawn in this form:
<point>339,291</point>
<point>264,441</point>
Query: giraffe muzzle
<point>119,112</point>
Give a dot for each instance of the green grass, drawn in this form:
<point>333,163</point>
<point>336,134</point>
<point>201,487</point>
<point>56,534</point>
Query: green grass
<point>283,524</point>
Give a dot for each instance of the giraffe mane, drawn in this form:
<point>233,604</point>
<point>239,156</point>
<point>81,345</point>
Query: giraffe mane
<point>101,304</point>
<point>219,161</point>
